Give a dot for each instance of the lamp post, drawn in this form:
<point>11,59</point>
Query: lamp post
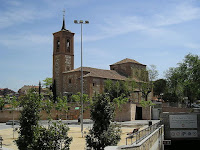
<point>81,22</point>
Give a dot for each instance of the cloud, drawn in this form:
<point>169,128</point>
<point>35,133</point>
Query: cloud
<point>23,40</point>
<point>18,13</point>
<point>152,24</point>
<point>178,14</point>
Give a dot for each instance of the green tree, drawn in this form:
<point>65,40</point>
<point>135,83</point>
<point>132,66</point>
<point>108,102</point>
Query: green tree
<point>32,136</point>
<point>14,103</point>
<point>147,77</point>
<point>86,100</point>
<point>183,81</point>
<point>160,86</point>
<point>47,82</point>
<point>61,105</point>
<point>117,89</point>
<point>53,138</point>
<point>103,132</point>
<point>28,120</point>
<point>2,103</point>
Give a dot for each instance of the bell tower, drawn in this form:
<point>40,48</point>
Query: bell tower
<point>63,55</point>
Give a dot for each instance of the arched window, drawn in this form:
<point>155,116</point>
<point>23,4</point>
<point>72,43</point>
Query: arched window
<point>68,45</point>
<point>57,45</point>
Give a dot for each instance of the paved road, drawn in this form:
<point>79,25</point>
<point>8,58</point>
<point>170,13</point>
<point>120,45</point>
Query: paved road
<point>5,148</point>
<point>86,123</point>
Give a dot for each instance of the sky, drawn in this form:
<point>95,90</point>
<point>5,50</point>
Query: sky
<point>158,32</point>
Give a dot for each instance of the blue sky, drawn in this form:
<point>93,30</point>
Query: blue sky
<point>155,32</point>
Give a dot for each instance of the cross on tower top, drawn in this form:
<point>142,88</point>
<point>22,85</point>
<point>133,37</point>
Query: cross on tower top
<point>63,13</point>
<point>63,25</point>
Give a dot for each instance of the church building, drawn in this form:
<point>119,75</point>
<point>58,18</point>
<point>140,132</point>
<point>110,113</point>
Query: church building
<point>68,79</point>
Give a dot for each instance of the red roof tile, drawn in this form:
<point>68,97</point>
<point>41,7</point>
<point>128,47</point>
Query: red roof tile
<point>127,60</point>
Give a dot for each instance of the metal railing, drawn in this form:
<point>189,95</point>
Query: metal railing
<point>140,135</point>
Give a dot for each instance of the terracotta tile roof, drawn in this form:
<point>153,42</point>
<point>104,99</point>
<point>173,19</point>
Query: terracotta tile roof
<point>100,73</point>
<point>127,60</point>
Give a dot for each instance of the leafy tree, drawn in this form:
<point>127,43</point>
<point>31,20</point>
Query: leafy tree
<point>146,80</point>
<point>48,82</point>
<point>47,105</point>
<point>61,104</point>
<point>14,103</point>
<point>86,100</point>
<point>117,89</point>
<point>145,88</point>
<point>146,104</point>
<point>32,136</point>
<point>53,138</point>
<point>152,73</point>
<point>160,86</point>
<point>103,132</point>
<point>28,120</point>
<point>2,103</point>
<point>184,81</point>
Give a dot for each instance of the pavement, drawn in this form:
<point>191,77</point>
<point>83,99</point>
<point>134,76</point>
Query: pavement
<point>3,148</point>
<point>127,126</point>
<point>86,123</point>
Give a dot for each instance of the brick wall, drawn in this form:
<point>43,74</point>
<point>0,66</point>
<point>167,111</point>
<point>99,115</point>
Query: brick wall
<point>127,113</point>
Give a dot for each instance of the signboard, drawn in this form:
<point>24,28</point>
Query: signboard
<point>183,133</point>
<point>183,121</point>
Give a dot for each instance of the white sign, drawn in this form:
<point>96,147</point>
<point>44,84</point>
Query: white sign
<point>183,121</point>
<point>183,133</point>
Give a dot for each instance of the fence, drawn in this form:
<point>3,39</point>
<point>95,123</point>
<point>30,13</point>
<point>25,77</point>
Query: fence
<point>140,135</point>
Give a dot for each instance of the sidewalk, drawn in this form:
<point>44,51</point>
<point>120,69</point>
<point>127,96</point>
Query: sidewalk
<point>3,148</point>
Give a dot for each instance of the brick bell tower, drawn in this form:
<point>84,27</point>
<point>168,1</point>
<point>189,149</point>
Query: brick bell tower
<point>63,55</point>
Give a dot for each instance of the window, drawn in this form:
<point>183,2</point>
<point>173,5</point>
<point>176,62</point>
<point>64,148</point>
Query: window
<point>68,45</point>
<point>57,45</point>
<point>70,81</point>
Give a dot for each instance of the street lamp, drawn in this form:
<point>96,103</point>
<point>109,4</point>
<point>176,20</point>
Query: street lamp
<point>81,22</point>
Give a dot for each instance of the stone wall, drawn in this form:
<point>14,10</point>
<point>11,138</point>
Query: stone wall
<point>127,113</point>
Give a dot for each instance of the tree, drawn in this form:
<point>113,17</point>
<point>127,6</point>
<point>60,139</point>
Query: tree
<point>53,138</point>
<point>61,105</point>
<point>152,73</point>
<point>86,100</point>
<point>146,78</point>
<point>117,89</point>
<point>32,136</point>
<point>28,120</point>
<point>14,103</point>
<point>183,81</point>
<point>48,82</point>
<point>160,86</point>
<point>2,103</point>
<point>103,132</point>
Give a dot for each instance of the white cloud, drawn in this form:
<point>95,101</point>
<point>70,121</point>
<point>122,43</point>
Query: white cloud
<point>178,14</point>
<point>22,40</point>
<point>154,24</point>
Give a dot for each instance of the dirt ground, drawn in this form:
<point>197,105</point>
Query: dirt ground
<point>78,142</point>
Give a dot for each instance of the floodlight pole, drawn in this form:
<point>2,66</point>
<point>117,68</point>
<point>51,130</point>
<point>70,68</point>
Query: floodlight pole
<point>81,22</point>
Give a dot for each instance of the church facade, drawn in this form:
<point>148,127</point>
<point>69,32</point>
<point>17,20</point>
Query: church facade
<point>68,79</point>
